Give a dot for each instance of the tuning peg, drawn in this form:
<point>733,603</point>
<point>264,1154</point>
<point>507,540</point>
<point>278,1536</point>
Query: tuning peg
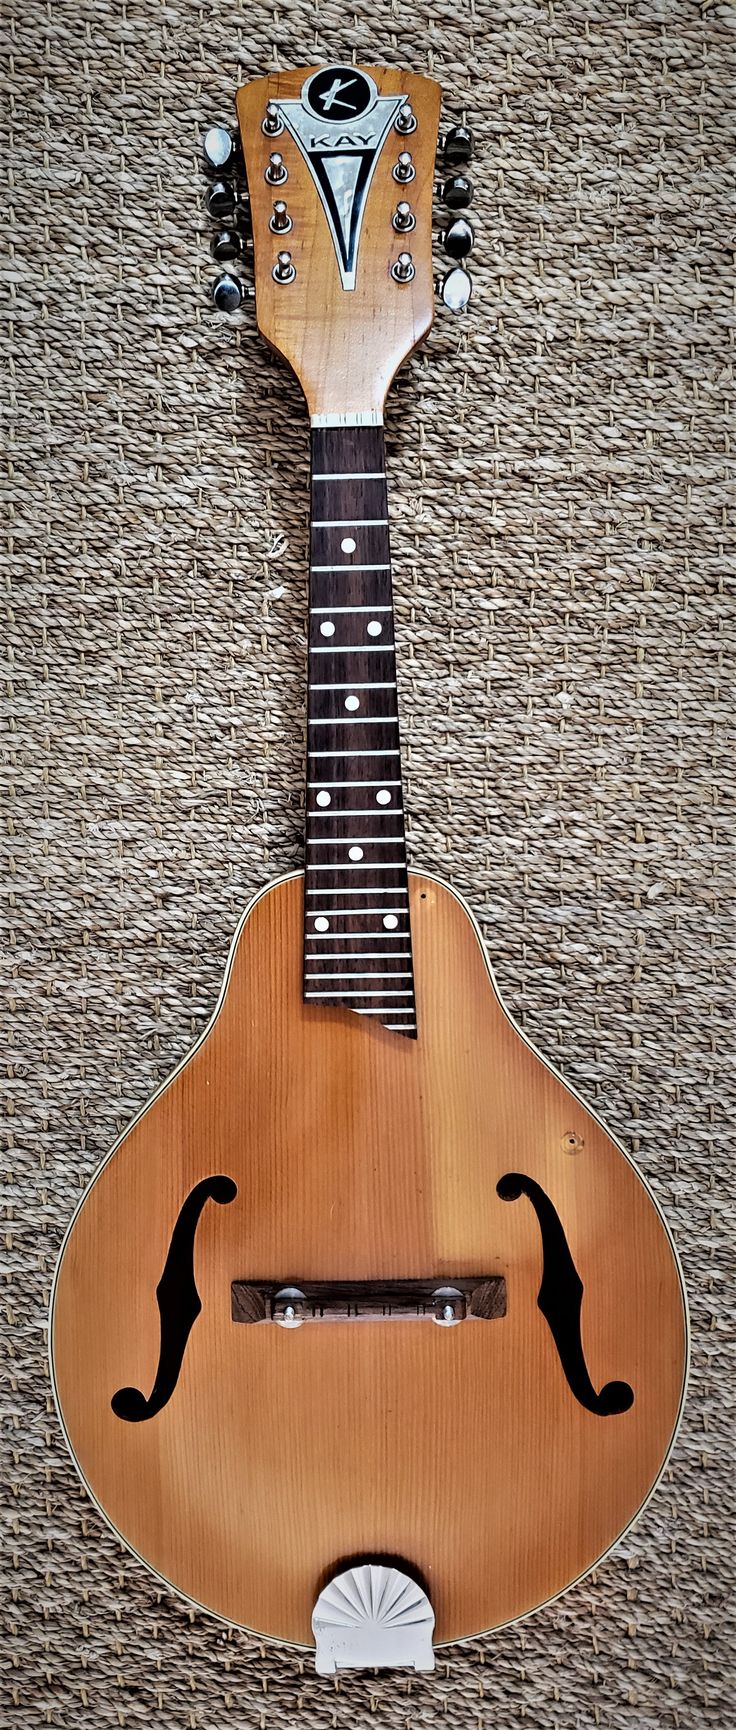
<point>404,169</point>
<point>228,292</point>
<point>403,218</point>
<point>457,146</point>
<point>280,220</point>
<point>455,289</point>
<point>272,124</point>
<point>457,192</point>
<point>227,244</point>
<point>406,120</point>
<point>283,270</point>
<point>226,204</point>
<point>219,150</point>
<point>403,270</point>
<point>219,201</point>
<point>458,238</point>
<point>276,172</point>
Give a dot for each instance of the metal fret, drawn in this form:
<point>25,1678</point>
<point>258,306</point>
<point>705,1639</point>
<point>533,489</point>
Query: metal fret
<point>350,458</point>
<point>390,888</point>
<point>400,974</point>
<point>378,810</point>
<point>375,889</point>
<point>401,992</point>
<point>311,784</point>
<point>344,753</point>
<point>360,955</point>
<point>341,865</point>
<point>351,840</point>
<point>351,912</point>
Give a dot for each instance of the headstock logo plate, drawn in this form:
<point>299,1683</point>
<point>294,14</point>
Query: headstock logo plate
<point>340,124</point>
<point>339,93</point>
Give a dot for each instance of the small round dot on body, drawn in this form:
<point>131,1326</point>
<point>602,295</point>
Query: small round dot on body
<point>348,545</point>
<point>390,921</point>
<point>327,629</point>
<point>321,924</point>
<point>384,797</point>
<point>352,703</point>
<point>324,799</point>
<point>375,628</point>
<point>356,853</point>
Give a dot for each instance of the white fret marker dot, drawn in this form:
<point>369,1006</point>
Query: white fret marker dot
<point>390,921</point>
<point>356,853</point>
<point>375,628</point>
<point>327,629</point>
<point>352,703</point>
<point>324,799</point>
<point>384,797</point>
<point>348,545</point>
<point>321,924</point>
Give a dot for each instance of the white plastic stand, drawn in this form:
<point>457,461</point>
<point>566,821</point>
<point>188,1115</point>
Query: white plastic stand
<point>372,1617</point>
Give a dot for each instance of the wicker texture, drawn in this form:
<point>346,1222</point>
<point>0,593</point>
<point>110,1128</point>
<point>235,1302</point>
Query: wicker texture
<point>559,492</point>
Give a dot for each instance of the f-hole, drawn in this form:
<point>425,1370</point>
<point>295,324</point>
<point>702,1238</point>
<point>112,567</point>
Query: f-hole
<point>560,1300</point>
<point>178,1301</point>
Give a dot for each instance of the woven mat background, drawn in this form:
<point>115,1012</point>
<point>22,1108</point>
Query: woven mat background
<point>559,486</point>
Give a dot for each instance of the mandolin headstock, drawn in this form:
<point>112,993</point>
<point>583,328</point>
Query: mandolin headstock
<point>340,162</point>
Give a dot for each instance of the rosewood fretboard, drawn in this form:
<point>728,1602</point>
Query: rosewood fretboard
<point>357,941</point>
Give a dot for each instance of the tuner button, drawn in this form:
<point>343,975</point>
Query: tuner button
<point>404,218</point>
<point>448,1305</point>
<point>283,270</point>
<point>406,120</point>
<point>227,293</point>
<point>288,1307</point>
<point>403,269</point>
<point>219,150</point>
<point>277,172</point>
<point>455,289</point>
<point>219,201</point>
<point>280,222</point>
<point>272,124</point>
<point>457,192</point>
<point>458,238</point>
<point>226,245</point>
<point>457,147</point>
<point>404,169</point>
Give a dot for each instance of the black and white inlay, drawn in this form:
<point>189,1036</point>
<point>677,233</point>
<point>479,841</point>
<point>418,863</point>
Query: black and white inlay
<point>357,938</point>
<point>340,124</point>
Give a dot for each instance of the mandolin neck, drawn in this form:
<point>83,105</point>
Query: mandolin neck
<point>357,939</point>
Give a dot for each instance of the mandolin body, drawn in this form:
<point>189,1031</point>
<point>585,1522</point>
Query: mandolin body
<point>466,1452</point>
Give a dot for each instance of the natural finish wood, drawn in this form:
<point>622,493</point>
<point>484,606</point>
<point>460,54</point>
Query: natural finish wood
<point>344,347</point>
<point>362,1155</point>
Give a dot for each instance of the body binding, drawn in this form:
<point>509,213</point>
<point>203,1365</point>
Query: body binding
<point>491,1457</point>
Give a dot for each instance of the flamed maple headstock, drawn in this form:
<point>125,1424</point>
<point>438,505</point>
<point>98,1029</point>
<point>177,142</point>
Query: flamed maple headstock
<point>340,163</point>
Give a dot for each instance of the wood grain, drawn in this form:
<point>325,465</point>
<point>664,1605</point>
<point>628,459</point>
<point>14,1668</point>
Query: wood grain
<point>358,1154</point>
<point>344,347</point>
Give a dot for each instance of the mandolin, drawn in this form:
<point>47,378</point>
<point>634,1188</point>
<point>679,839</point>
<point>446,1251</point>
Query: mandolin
<point>366,1335</point>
